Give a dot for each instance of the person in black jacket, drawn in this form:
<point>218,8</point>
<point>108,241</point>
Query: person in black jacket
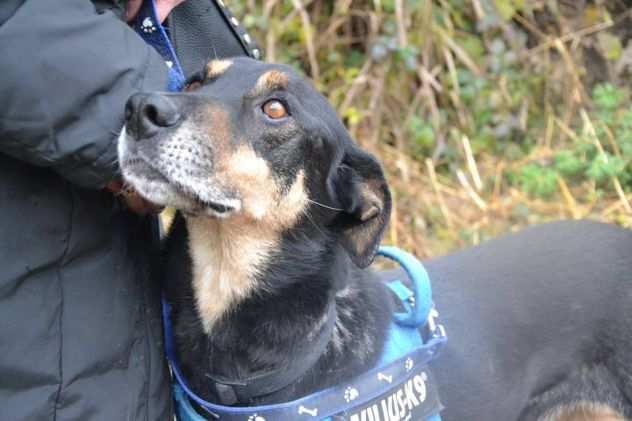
<point>80,330</point>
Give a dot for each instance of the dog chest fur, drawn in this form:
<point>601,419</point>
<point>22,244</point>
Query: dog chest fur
<point>226,261</point>
<point>228,255</point>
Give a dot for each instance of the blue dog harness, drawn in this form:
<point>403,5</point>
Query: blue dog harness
<point>400,387</point>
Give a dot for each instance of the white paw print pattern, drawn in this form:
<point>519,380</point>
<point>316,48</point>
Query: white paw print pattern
<point>148,26</point>
<point>256,417</point>
<point>409,364</point>
<point>351,393</point>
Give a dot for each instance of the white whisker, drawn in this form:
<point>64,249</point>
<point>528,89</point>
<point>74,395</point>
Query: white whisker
<point>324,206</point>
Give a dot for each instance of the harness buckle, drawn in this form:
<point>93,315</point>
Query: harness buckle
<point>435,329</point>
<point>226,394</point>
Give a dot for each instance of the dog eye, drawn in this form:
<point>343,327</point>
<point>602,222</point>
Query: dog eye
<point>192,86</point>
<point>274,109</point>
<point>194,82</point>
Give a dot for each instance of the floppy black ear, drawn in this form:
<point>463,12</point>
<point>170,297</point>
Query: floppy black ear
<point>361,190</point>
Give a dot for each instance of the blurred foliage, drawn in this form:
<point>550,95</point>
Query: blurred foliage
<point>489,115</point>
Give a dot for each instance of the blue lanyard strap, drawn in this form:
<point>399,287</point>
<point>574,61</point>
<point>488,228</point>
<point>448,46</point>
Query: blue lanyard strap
<point>147,25</point>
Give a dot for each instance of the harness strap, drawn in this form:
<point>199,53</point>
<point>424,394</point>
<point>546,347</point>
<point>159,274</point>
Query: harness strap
<point>409,373</point>
<point>151,30</point>
<point>243,391</point>
<point>229,391</point>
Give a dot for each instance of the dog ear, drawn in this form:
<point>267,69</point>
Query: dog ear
<point>362,192</point>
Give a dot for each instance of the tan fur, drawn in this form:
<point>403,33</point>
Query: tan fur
<point>215,68</point>
<point>229,253</point>
<point>373,204</point>
<point>583,411</point>
<point>219,130</point>
<point>250,174</point>
<point>270,80</point>
<point>226,259</point>
<point>261,199</point>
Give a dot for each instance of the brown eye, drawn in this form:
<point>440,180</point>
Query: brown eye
<point>195,81</point>
<point>274,109</point>
<point>192,86</point>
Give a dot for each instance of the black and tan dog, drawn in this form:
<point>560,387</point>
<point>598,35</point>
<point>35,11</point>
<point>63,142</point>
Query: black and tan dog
<point>279,214</point>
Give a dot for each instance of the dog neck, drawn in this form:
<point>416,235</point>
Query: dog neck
<point>261,299</point>
<point>227,259</point>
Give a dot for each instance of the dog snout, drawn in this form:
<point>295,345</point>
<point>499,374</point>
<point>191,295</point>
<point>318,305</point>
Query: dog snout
<point>148,114</point>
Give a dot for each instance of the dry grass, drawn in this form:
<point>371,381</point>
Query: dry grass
<point>402,73</point>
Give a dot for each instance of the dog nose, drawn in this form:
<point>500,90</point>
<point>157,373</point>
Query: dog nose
<point>148,114</point>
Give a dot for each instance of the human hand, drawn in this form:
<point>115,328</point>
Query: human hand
<point>163,8</point>
<point>134,201</point>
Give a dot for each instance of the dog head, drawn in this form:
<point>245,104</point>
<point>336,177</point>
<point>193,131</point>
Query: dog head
<point>255,142</point>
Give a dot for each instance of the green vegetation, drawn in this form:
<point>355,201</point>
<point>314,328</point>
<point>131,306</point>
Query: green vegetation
<point>489,115</point>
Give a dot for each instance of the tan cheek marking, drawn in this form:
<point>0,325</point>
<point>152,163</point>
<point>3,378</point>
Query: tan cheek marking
<point>261,196</point>
<point>251,177</point>
<point>293,205</point>
<point>229,254</point>
<point>215,68</point>
<point>220,132</point>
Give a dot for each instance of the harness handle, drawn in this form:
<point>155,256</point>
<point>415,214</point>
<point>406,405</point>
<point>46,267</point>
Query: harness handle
<point>418,313</point>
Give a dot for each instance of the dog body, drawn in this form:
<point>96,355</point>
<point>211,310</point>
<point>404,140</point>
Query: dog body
<point>280,213</point>
<point>538,325</point>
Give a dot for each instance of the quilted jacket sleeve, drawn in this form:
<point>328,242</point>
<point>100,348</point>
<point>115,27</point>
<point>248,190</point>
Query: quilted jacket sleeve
<point>67,71</point>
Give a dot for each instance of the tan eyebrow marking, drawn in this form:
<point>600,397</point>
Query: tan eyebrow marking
<point>215,68</point>
<point>270,80</point>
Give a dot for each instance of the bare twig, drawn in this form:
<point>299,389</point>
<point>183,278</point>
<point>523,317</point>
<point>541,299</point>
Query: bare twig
<point>358,82</point>
<point>568,197</point>
<point>552,42</point>
<point>471,163</point>
<point>615,180</point>
<point>458,51</point>
<point>437,191</point>
<point>478,201</point>
<point>309,40</point>
<point>401,24</point>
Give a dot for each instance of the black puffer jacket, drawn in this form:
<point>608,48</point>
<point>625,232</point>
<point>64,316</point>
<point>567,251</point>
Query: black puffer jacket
<point>80,332</point>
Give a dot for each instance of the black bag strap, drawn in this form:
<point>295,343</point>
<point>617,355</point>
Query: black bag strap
<point>202,30</point>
